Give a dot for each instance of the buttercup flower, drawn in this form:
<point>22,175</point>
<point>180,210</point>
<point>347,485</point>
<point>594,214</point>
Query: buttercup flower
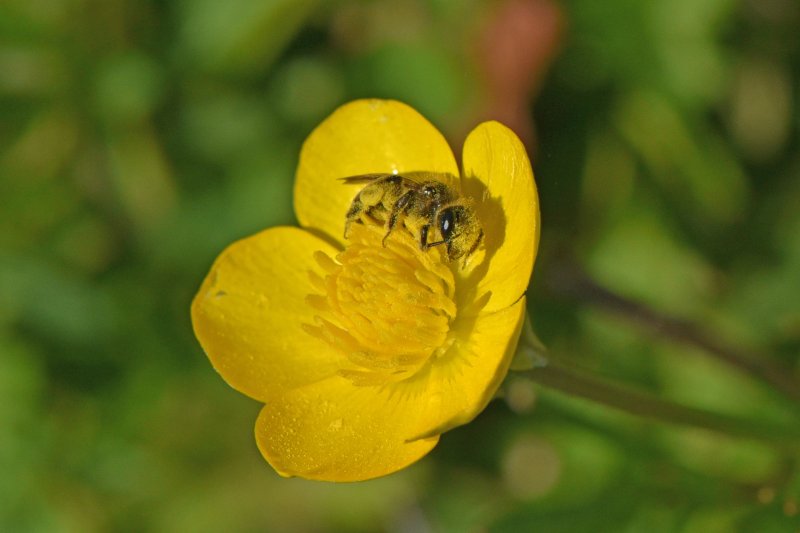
<point>364,351</point>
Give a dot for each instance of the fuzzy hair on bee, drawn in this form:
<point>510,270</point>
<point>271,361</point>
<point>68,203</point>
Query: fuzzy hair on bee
<point>429,209</point>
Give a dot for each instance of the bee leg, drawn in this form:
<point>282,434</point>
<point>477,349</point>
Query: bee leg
<point>353,214</point>
<point>423,237</point>
<point>474,247</point>
<point>368,199</point>
<point>400,208</point>
<point>347,227</point>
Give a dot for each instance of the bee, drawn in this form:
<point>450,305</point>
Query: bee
<point>423,207</point>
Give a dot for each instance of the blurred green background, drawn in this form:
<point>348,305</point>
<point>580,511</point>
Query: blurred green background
<point>139,137</point>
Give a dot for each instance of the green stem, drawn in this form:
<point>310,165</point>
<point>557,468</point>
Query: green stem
<point>531,356</point>
<point>641,404</point>
<point>574,282</point>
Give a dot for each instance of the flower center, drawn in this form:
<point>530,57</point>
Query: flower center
<point>387,309</point>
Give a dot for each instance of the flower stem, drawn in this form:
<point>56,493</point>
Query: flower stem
<point>641,404</point>
<point>572,281</point>
<point>532,358</point>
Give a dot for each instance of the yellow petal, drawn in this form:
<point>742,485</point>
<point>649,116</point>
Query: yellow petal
<point>249,313</point>
<point>336,431</point>
<point>362,137</point>
<point>457,386</point>
<point>497,170</point>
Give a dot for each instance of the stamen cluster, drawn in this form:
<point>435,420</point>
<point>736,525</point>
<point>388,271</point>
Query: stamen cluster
<point>386,309</point>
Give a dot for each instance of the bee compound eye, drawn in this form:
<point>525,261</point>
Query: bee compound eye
<point>447,223</point>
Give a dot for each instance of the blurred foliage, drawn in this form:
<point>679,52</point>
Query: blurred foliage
<point>138,138</point>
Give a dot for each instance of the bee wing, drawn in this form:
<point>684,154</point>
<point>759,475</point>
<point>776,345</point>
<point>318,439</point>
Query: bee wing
<point>363,178</point>
<point>412,180</point>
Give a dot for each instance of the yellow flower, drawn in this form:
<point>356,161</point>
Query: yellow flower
<point>364,354</point>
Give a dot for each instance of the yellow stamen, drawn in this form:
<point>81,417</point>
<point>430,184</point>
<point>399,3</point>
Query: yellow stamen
<point>387,309</point>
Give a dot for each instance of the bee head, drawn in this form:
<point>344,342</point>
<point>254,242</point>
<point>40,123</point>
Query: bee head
<point>460,230</point>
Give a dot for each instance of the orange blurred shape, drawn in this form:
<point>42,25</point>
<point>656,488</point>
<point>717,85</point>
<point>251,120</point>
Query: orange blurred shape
<point>515,49</point>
